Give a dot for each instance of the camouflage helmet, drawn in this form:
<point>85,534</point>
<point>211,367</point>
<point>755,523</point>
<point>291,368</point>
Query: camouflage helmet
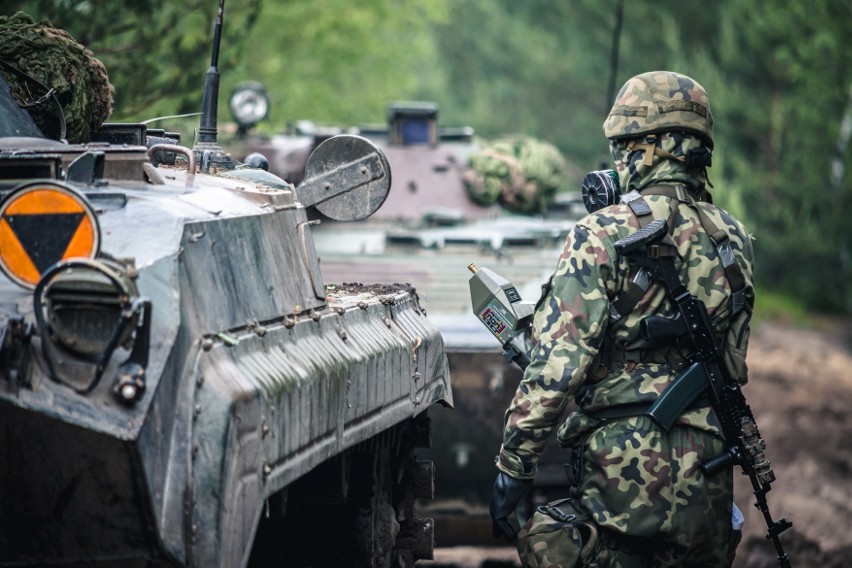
<point>660,101</point>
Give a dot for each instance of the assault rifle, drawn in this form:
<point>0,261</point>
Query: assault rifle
<point>500,308</point>
<point>707,373</point>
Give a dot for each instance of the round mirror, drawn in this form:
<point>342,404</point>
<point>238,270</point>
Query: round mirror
<point>352,162</point>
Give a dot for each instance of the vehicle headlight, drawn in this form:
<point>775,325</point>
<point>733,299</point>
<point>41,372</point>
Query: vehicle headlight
<point>83,304</point>
<point>87,309</point>
<point>249,104</point>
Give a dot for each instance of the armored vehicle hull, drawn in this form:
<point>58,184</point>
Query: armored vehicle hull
<point>190,392</point>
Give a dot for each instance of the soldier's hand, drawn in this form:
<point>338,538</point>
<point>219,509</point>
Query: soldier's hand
<point>506,493</point>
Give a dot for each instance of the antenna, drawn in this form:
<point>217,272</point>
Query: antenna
<point>613,69</point>
<point>613,57</point>
<point>207,150</point>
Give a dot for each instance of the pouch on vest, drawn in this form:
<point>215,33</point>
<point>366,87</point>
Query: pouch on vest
<point>561,535</point>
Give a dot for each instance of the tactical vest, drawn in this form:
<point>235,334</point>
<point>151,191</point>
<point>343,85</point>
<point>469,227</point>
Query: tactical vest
<point>609,355</point>
<point>641,281</point>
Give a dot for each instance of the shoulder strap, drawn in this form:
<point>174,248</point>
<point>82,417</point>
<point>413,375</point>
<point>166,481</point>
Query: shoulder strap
<point>722,242</point>
<point>733,273</point>
<point>641,281</point>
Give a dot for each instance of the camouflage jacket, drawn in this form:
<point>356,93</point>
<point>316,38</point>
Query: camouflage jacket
<point>572,322</point>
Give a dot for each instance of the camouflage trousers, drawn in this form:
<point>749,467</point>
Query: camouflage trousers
<point>642,502</point>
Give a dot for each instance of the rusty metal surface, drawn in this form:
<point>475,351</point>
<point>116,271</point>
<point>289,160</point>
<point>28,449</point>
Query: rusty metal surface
<point>434,260</point>
<point>426,234</point>
<point>430,249</point>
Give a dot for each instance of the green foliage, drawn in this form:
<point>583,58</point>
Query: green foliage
<point>77,79</point>
<point>334,61</point>
<point>782,124</point>
<point>774,306</point>
<point>522,66</point>
<point>779,78</point>
<point>156,52</point>
<point>778,75</point>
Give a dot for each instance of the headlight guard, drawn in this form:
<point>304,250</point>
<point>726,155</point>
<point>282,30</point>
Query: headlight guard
<point>85,310</point>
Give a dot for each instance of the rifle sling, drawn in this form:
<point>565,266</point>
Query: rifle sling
<point>625,303</point>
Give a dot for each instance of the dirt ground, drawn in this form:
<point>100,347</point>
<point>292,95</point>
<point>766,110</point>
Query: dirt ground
<point>800,391</point>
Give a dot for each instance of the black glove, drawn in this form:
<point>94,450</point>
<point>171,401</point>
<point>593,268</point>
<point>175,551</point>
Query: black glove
<point>506,493</point>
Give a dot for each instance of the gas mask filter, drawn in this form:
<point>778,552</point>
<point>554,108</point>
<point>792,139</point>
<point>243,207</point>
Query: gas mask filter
<point>600,189</point>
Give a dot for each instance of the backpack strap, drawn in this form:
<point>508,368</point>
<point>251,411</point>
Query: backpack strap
<point>641,281</point>
<point>625,303</point>
<point>725,251</point>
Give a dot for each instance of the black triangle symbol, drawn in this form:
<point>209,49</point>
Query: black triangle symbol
<point>45,237</point>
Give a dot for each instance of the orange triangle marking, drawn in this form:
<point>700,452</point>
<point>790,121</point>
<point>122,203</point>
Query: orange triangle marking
<point>15,259</point>
<point>43,201</point>
<point>83,241</point>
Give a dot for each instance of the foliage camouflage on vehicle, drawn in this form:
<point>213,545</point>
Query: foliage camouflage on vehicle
<point>54,58</point>
<point>521,173</point>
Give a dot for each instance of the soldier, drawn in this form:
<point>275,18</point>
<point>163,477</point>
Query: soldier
<point>639,497</point>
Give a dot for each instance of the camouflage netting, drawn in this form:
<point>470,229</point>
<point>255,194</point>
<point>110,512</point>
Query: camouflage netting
<point>55,59</point>
<point>522,173</point>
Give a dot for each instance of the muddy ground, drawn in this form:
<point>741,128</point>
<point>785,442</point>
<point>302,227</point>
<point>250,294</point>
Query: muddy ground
<point>800,391</point>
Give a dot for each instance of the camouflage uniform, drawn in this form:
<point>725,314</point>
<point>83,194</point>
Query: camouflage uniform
<point>635,479</point>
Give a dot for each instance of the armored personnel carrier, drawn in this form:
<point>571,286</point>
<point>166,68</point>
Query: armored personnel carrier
<point>180,382</point>
<point>429,230</point>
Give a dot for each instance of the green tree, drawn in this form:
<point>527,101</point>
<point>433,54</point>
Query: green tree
<point>328,60</point>
<point>535,67</point>
<point>156,52</point>
<point>779,78</point>
<point>339,62</point>
<point>787,78</point>
<point>778,73</point>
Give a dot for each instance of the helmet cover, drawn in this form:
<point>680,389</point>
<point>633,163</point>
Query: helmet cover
<point>660,101</point>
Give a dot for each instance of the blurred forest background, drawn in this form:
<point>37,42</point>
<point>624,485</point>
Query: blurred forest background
<point>778,73</point>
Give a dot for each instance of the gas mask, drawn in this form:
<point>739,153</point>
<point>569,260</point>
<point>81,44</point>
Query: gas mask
<point>600,189</point>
